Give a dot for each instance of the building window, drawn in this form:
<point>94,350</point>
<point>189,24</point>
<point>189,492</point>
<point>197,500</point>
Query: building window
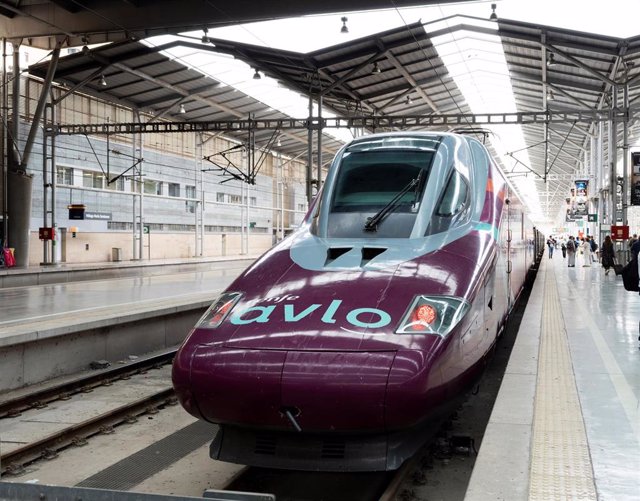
<point>92,179</point>
<point>174,190</point>
<point>117,185</point>
<point>253,201</point>
<point>190,192</point>
<point>235,199</point>
<point>65,176</point>
<point>152,187</point>
<point>220,197</point>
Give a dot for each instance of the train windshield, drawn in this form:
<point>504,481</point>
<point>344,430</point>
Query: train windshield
<point>379,187</point>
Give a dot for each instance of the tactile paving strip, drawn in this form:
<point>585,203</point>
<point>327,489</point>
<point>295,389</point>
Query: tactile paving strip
<point>561,466</point>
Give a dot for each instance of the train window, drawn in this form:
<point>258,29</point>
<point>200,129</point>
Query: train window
<point>369,180</point>
<point>451,208</point>
<point>381,184</point>
<point>454,197</point>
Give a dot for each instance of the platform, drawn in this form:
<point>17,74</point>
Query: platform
<point>77,272</point>
<point>56,329</point>
<point>566,424</point>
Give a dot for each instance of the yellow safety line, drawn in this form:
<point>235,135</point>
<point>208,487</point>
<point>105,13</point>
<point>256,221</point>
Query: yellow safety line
<point>561,466</point>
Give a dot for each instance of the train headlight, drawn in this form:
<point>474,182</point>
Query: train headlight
<point>433,315</point>
<point>219,310</point>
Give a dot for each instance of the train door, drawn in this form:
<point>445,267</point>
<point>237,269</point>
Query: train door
<point>492,309</point>
<point>508,245</point>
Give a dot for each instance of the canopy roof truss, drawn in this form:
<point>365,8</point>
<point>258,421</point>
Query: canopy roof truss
<point>564,83</point>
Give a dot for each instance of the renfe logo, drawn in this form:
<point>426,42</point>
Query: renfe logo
<point>288,313</point>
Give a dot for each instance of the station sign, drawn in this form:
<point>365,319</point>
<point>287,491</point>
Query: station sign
<point>581,197</point>
<point>76,211</point>
<point>592,218</point>
<point>635,178</point>
<point>98,216</point>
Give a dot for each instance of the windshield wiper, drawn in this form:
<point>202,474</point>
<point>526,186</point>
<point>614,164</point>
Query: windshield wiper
<point>373,221</point>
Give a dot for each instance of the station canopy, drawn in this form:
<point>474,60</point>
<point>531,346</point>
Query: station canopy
<point>448,74</point>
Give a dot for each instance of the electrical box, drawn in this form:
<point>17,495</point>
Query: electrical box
<point>619,233</point>
<point>46,233</point>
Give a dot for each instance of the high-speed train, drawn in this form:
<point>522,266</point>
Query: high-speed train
<point>341,346</point>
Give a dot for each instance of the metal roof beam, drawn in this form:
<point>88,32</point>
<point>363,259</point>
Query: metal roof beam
<point>578,63</point>
<point>412,81</point>
<point>408,121</point>
<point>350,73</point>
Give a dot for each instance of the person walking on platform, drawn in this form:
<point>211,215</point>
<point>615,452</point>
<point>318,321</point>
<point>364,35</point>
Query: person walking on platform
<point>608,254</point>
<point>594,249</point>
<point>585,252</point>
<point>551,246</point>
<point>571,252</point>
<point>564,250</point>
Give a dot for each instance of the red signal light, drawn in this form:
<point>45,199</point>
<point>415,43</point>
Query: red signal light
<point>423,316</point>
<point>426,313</point>
<point>221,312</point>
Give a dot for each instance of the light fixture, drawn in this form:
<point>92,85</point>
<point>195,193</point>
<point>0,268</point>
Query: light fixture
<point>550,95</point>
<point>493,16</point>
<point>344,28</point>
<point>551,60</point>
<point>256,75</point>
<point>205,37</point>
<point>376,68</point>
<point>279,143</point>
<point>182,110</point>
<point>409,100</point>
<point>103,82</point>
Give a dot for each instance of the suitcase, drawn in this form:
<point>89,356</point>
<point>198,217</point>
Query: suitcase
<point>9,260</point>
<point>618,269</point>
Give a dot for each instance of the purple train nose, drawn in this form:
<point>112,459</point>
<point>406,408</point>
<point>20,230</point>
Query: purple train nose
<point>343,391</point>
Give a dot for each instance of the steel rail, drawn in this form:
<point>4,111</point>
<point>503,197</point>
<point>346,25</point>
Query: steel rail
<point>40,398</point>
<point>48,447</point>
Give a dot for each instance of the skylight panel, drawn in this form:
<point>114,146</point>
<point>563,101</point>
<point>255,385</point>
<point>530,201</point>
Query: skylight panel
<point>478,67</point>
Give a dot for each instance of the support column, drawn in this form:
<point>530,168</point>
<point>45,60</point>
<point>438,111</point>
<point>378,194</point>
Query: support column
<point>310,152</point>
<point>626,168</point>
<point>15,102</point>
<point>139,153</point>
<point>199,208</point>
<point>613,156</point>
<point>4,145</point>
<point>319,170</point>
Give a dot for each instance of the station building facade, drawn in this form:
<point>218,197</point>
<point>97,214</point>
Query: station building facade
<point>190,207</point>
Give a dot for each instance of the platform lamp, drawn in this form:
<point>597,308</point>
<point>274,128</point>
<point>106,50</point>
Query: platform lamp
<point>344,28</point>
<point>493,16</point>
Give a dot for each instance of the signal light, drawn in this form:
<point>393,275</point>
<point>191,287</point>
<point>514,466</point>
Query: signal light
<point>219,310</point>
<point>433,315</point>
<point>425,313</point>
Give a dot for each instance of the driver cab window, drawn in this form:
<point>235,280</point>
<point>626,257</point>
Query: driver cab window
<point>454,197</point>
<point>452,205</point>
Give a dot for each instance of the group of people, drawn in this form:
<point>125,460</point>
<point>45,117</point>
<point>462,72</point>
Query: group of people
<point>586,249</point>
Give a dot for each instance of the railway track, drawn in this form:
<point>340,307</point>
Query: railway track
<point>47,447</point>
